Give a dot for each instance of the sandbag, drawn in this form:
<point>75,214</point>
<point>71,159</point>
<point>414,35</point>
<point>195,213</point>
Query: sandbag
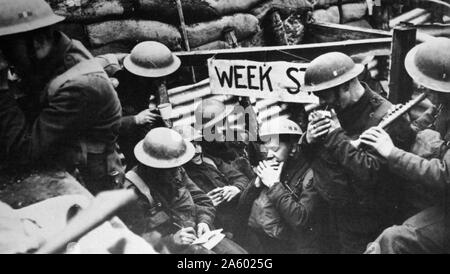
<point>330,15</point>
<point>224,7</point>
<point>284,7</point>
<point>354,11</point>
<point>213,45</point>
<point>133,30</point>
<point>318,4</point>
<point>257,40</point>
<point>114,47</point>
<point>244,25</point>
<point>194,10</point>
<point>92,10</point>
<point>166,11</point>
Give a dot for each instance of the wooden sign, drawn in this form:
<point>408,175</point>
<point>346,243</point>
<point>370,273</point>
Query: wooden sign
<point>281,81</point>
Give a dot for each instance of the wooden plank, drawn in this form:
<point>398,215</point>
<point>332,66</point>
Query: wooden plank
<point>301,53</point>
<point>329,32</point>
<point>401,84</point>
<point>435,6</point>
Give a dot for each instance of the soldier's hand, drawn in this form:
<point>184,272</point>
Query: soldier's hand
<point>185,236</point>
<point>202,228</point>
<point>229,192</point>
<point>269,173</point>
<point>216,196</point>
<point>379,140</point>
<point>317,129</point>
<point>146,117</point>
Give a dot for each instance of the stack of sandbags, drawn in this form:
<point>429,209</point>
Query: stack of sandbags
<point>92,10</point>
<point>104,33</point>
<point>117,25</point>
<point>244,26</point>
<point>195,10</point>
<point>353,12</point>
<point>321,4</point>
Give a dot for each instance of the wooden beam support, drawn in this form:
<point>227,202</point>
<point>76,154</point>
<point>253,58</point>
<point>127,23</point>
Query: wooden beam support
<point>400,83</point>
<point>328,32</point>
<point>307,52</point>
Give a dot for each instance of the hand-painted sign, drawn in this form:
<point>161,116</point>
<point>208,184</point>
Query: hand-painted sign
<point>281,81</point>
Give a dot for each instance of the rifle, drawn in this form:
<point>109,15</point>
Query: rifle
<point>393,115</point>
<point>102,209</point>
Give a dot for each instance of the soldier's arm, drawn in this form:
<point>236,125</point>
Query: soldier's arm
<point>111,63</point>
<point>237,179</point>
<point>296,213</point>
<point>60,121</point>
<point>246,199</point>
<point>434,172</point>
<point>206,211</point>
<point>359,162</point>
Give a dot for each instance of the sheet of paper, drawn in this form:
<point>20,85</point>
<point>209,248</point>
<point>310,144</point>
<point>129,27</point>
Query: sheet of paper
<point>207,236</point>
<point>214,241</point>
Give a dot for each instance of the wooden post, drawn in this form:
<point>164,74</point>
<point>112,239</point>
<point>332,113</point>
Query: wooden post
<point>185,35</point>
<point>401,84</point>
<point>230,38</point>
<point>164,97</point>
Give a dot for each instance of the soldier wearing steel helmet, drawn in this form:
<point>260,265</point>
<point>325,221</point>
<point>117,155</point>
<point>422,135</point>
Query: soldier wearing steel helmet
<point>220,181</point>
<point>139,75</point>
<point>77,113</point>
<point>428,231</point>
<point>281,206</point>
<point>363,196</point>
<point>211,116</point>
<point>170,202</point>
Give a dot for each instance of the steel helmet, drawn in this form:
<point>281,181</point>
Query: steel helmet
<point>429,64</point>
<point>151,59</point>
<point>279,126</point>
<point>164,148</point>
<point>18,16</point>
<point>188,133</point>
<point>330,70</point>
<point>211,111</point>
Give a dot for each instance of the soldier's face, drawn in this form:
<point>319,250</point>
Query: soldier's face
<point>198,154</point>
<point>329,97</point>
<point>277,150</point>
<point>338,97</point>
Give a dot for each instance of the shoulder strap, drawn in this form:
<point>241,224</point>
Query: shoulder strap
<point>137,181</point>
<point>82,68</point>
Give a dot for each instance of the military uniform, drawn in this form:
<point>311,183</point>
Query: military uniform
<point>77,124</point>
<point>302,218</point>
<point>428,231</point>
<point>209,177</point>
<point>364,196</point>
<point>167,205</point>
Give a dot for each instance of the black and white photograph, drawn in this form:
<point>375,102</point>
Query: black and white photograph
<point>246,129</point>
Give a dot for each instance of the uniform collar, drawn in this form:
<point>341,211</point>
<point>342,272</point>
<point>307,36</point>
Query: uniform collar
<point>348,115</point>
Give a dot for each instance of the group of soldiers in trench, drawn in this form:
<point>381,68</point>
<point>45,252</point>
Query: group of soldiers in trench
<point>327,181</point>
